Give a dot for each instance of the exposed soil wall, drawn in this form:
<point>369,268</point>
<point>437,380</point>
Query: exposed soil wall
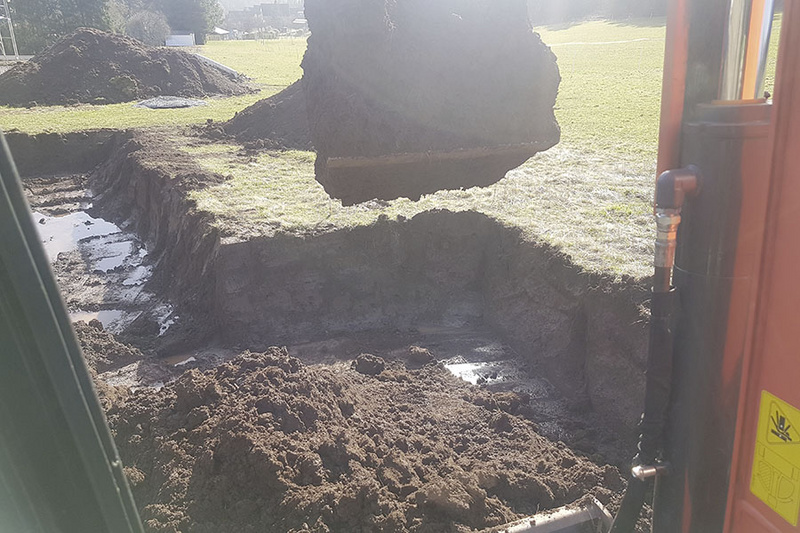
<point>453,269</point>
<point>389,275</point>
<point>59,153</point>
<point>586,330</point>
<point>145,182</point>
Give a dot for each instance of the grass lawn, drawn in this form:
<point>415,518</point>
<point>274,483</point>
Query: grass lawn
<point>271,64</point>
<point>591,194</point>
<point>598,212</point>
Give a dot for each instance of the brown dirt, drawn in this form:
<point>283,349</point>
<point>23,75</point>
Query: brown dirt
<point>91,66</point>
<point>278,122</point>
<point>101,349</point>
<point>264,443</point>
<point>146,182</point>
<point>103,352</point>
<point>76,152</point>
<point>413,77</point>
<point>541,304</point>
<point>180,237</point>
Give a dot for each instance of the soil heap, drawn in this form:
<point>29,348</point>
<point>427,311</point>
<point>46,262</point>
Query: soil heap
<point>103,352</point>
<point>278,122</point>
<point>264,443</point>
<point>388,79</point>
<point>101,349</point>
<point>92,66</point>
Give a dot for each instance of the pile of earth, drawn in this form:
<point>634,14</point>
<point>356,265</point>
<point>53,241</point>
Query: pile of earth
<point>264,443</point>
<point>92,66</point>
<point>103,352</point>
<point>277,122</point>
<point>101,349</point>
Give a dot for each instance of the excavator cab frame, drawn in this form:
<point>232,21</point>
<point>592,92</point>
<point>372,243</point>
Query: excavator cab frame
<point>725,371</point>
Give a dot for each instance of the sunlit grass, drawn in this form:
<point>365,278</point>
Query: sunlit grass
<point>272,65</point>
<point>599,214</point>
<point>272,62</point>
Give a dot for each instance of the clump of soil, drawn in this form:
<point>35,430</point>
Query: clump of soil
<point>277,122</point>
<point>264,443</point>
<point>368,364</point>
<point>419,77</point>
<point>420,356</point>
<point>103,352</point>
<point>92,66</point>
<point>101,349</point>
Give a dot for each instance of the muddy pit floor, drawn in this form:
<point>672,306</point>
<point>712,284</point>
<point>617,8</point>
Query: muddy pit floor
<point>101,268</point>
<point>344,445</point>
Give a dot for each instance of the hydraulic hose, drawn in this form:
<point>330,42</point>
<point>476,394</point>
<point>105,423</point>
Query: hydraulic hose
<point>656,403</point>
<point>671,190</point>
<point>631,507</point>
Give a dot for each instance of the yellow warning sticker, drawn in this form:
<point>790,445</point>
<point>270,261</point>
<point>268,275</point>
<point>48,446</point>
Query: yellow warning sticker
<point>776,464</point>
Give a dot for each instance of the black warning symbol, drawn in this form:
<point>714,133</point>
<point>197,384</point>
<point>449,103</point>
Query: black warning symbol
<point>781,429</point>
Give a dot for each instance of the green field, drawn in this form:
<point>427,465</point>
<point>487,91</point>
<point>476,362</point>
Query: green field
<point>590,195</point>
<point>271,64</point>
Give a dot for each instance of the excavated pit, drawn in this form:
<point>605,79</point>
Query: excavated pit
<point>507,314</point>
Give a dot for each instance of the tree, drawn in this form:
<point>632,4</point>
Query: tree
<point>196,16</point>
<point>548,11</point>
<point>626,8</point>
<point>39,23</point>
<point>150,27</point>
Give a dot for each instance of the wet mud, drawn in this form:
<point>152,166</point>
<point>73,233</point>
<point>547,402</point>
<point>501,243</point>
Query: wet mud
<point>101,268</point>
<point>264,442</point>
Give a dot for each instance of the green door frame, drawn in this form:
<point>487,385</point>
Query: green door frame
<point>59,467</point>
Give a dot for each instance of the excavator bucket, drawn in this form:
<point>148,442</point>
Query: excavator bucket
<point>408,97</point>
<point>586,516</point>
<point>358,179</point>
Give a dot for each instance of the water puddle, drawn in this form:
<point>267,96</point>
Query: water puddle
<point>138,276</point>
<point>64,233</point>
<point>101,270</point>
<point>186,361</point>
<point>113,320</point>
<point>480,373</point>
<point>166,318</point>
<point>113,255</point>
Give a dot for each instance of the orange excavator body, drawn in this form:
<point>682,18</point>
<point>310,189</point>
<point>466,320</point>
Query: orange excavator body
<point>757,374</point>
<point>765,473</point>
